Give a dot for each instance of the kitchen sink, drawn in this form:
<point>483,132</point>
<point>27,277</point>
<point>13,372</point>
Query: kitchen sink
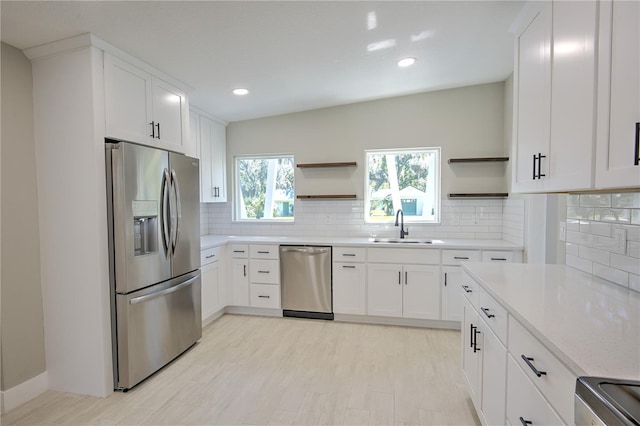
<point>402,241</point>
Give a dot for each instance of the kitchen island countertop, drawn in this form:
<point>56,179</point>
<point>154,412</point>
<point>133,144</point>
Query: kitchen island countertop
<point>589,324</point>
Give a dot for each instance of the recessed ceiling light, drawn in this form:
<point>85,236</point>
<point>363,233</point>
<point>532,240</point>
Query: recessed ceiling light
<point>406,62</point>
<point>240,92</point>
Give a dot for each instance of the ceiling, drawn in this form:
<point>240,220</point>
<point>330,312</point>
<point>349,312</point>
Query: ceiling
<point>291,55</point>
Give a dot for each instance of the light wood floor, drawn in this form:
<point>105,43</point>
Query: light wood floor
<point>256,371</point>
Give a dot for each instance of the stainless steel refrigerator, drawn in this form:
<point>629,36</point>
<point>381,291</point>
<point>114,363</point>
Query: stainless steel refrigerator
<point>154,258</point>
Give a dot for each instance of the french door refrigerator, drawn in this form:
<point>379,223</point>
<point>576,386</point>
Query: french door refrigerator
<point>154,258</point>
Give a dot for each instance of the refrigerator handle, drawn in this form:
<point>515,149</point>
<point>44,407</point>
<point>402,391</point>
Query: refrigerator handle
<point>173,289</point>
<point>178,210</point>
<point>165,212</point>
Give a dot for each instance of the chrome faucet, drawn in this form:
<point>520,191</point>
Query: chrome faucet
<point>403,231</point>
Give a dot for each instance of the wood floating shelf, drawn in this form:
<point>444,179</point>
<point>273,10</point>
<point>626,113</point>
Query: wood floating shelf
<point>479,160</point>
<point>317,165</point>
<point>327,197</point>
<point>481,195</point>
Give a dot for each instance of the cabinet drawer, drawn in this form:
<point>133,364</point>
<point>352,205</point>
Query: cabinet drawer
<point>265,271</point>
<point>557,383</point>
<point>497,256</point>
<point>265,296</point>
<point>209,255</point>
<point>239,251</point>
<point>471,290</point>
<point>524,401</point>
<point>349,254</point>
<point>264,252</point>
<point>493,314</point>
<point>454,257</point>
<point>403,256</point>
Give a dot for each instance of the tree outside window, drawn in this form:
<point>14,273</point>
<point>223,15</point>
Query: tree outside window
<point>264,188</point>
<point>403,179</point>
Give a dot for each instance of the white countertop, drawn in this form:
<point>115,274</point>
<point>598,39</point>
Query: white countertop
<point>208,241</point>
<point>592,326</point>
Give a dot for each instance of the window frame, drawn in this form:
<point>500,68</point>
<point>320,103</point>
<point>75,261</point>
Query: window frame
<point>237,195</point>
<point>438,184</point>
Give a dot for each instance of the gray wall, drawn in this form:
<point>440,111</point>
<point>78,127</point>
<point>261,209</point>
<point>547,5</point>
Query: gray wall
<point>23,355</point>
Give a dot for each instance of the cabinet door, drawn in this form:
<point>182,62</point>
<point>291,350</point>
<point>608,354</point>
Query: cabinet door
<point>240,282</point>
<point>452,280</point>
<point>219,162</point>
<point>421,292</point>
<point>170,111</point>
<point>532,101</point>
<point>384,290</point>
<point>494,377</point>
<point>210,281</point>
<point>570,158</point>
<point>128,107</point>
<point>212,161</point>
<point>349,295</point>
<point>193,148</point>
<point>471,357</point>
<point>618,95</point>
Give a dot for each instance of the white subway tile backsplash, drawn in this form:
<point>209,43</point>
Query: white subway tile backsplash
<point>593,221</point>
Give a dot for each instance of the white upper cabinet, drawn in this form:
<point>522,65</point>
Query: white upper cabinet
<point>142,108</point>
<point>618,95</point>
<point>554,104</point>
<point>213,157</point>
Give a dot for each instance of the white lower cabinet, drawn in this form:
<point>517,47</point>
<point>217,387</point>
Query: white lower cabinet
<point>524,402</point>
<point>349,288</point>
<point>494,368</point>
<point>213,295</point>
<point>471,357</point>
<point>264,276</point>
<point>240,282</point>
<point>452,281</point>
<point>407,291</point>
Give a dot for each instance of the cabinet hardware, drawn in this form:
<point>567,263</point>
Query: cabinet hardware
<point>158,125</point>
<point>349,266</point>
<point>461,257</point>
<point>475,340</point>
<point>498,258</point>
<point>445,279</point>
<point>471,335</point>
<point>534,166</point>
<point>238,251</point>
<point>636,160</point>
<point>263,272</point>
<point>540,157</point>
<point>406,279</point>
<point>264,297</point>
<point>524,422</point>
<point>153,129</point>
<point>528,360</point>
<point>210,256</point>
<point>399,277</point>
<point>263,252</point>
<point>244,267</point>
<point>467,289</point>
<point>349,254</point>
<point>486,312</point>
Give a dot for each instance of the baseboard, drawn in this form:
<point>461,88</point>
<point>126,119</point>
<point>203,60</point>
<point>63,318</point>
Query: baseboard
<point>246,310</point>
<point>211,318</point>
<point>408,322</point>
<point>23,392</point>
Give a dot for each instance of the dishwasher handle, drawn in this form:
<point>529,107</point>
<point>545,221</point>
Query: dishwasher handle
<point>308,250</point>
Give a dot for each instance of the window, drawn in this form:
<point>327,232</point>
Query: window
<point>264,188</point>
<point>407,179</point>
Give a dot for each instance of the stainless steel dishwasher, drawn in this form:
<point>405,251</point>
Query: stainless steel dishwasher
<point>306,281</point>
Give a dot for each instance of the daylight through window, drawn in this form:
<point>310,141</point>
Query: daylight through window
<point>403,179</point>
<point>264,188</point>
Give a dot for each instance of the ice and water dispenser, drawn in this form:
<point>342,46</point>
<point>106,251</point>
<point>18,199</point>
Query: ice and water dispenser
<point>145,226</point>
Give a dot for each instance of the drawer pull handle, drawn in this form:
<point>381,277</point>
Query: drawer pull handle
<point>486,312</point>
<point>528,360</point>
<point>244,268</point>
<point>263,252</point>
<point>498,258</point>
<point>471,334</point>
<point>349,254</point>
<point>525,422</point>
<point>467,289</point>
<point>349,266</point>
<point>461,257</point>
<point>264,297</point>
<point>263,272</point>
<point>238,251</point>
<point>210,256</point>
<point>475,340</point>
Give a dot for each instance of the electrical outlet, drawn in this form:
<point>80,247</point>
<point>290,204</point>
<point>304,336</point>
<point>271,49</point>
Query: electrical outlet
<point>476,219</point>
<point>562,231</point>
<point>620,237</point>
